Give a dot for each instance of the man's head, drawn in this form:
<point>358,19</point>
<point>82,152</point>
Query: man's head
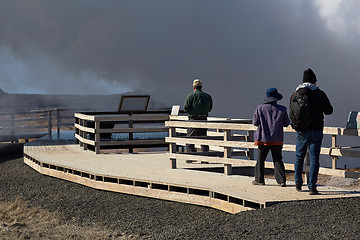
<point>197,84</point>
<point>309,76</point>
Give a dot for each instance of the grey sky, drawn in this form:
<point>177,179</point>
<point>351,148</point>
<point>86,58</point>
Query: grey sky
<point>238,48</point>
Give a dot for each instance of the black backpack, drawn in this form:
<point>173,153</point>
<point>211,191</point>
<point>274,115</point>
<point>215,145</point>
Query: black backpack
<point>300,110</point>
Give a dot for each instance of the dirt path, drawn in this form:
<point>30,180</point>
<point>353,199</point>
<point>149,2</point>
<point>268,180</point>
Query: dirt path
<point>33,206</point>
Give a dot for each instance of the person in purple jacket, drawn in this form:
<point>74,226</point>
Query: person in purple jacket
<point>270,118</point>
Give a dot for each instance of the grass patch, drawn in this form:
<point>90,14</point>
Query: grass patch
<point>18,221</point>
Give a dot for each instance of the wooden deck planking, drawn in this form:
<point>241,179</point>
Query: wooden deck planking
<point>155,168</point>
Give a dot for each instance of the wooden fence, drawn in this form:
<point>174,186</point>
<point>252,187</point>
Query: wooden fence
<point>34,124</point>
<point>226,145</point>
<point>101,131</point>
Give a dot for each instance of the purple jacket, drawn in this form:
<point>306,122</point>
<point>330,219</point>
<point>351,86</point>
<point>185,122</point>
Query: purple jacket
<point>270,118</point>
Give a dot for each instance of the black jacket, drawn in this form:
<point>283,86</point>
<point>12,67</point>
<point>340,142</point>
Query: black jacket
<point>319,105</point>
<point>198,103</point>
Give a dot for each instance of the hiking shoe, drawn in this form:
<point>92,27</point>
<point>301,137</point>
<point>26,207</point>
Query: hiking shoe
<point>313,191</point>
<point>283,184</point>
<point>257,183</point>
<point>298,188</point>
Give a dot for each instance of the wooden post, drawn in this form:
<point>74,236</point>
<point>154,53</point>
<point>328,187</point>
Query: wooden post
<point>84,134</point>
<point>227,169</point>
<point>49,124</point>
<point>131,125</point>
<point>97,136</point>
<point>77,131</point>
<point>12,123</point>
<point>227,137</point>
<point>334,158</point>
<point>227,152</point>
<point>172,133</point>
<point>81,133</point>
<point>172,147</point>
<point>250,138</point>
<point>58,122</point>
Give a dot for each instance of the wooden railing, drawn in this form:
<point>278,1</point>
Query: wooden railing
<point>98,131</point>
<point>34,124</point>
<point>229,146</point>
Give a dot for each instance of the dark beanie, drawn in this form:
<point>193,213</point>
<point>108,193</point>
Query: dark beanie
<point>309,76</point>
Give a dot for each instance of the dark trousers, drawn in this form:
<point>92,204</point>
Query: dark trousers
<point>279,169</point>
<point>196,132</point>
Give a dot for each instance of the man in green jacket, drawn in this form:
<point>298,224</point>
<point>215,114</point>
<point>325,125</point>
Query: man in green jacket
<point>198,104</point>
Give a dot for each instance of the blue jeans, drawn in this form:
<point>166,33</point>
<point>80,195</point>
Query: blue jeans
<point>305,140</point>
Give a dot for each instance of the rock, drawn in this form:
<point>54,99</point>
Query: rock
<point>2,92</point>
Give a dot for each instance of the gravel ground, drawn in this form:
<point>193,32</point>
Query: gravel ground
<point>135,217</point>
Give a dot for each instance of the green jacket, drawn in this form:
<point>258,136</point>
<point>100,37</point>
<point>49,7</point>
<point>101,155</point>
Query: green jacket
<point>198,103</point>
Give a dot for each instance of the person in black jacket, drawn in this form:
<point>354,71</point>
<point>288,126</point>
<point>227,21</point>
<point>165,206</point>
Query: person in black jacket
<point>198,104</point>
<point>310,137</point>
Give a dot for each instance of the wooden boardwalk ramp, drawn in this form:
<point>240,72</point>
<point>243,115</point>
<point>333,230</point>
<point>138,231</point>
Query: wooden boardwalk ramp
<point>148,174</point>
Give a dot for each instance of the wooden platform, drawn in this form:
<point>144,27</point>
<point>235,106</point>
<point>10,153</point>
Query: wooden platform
<point>149,174</point>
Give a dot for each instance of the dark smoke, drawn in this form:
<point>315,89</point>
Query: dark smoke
<point>238,48</point>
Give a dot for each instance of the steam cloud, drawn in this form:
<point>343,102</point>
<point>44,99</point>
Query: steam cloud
<point>238,49</point>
